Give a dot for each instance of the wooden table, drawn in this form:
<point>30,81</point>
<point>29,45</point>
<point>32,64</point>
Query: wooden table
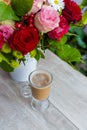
<point>68,109</point>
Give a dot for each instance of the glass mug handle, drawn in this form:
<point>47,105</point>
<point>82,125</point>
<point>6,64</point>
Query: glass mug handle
<point>26,90</point>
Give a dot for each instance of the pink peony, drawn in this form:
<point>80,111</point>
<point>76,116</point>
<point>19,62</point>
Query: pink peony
<point>37,5</point>
<point>7,31</point>
<point>47,19</point>
<point>60,31</point>
<point>1,40</point>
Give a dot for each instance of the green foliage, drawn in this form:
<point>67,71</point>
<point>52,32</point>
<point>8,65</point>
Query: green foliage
<point>33,53</point>
<point>17,54</point>
<point>6,13</point>
<point>84,3</point>
<point>21,6</point>
<point>84,18</point>
<point>39,54</point>
<point>6,67</point>
<point>4,64</point>
<point>69,54</point>
<point>8,61</point>
<point>3,57</point>
<point>78,38</point>
<point>83,67</point>
<point>6,48</point>
<point>80,42</point>
<point>64,51</point>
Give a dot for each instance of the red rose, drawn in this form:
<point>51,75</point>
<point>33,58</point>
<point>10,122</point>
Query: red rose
<point>24,40</point>
<point>1,40</point>
<point>72,11</point>
<point>60,31</point>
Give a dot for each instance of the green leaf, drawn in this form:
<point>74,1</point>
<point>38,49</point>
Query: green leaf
<point>76,31</point>
<point>6,67</point>
<point>39,54</point>
<point>80,42</point>
<point>63,40</point>
<point>3,57</point>
<point>6,12</point>
<point>84,18</point>
<point>4,64</point>
<point>33,53</point>
<point>69,54</point>
<point>6,57</point>
<point>56,42</point>
<point>21,6</point>
<point>84,2</point>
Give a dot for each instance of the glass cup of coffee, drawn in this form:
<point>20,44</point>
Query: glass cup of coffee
<point>40,82</point>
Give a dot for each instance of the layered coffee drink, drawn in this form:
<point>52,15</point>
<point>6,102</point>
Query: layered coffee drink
<point>40,84</point>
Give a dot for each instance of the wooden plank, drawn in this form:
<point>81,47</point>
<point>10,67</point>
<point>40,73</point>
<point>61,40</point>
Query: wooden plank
<point>16,112</point>
<point>69,90</point>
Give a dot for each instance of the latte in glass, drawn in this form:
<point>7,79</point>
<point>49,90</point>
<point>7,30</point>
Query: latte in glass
<point>40,81</point>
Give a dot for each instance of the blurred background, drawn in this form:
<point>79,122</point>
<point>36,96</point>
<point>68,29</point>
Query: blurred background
<point>77,40</point>
<point>81,43</point>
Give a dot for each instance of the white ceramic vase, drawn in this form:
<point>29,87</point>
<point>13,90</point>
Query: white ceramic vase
<point>22,72</point>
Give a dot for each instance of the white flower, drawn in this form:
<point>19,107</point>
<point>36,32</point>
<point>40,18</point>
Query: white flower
<point>57,4</point>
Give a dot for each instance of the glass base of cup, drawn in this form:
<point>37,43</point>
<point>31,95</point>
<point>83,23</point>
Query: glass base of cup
<point>39,105</point>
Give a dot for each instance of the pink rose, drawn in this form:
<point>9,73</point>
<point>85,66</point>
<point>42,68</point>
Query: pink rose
<point>37,5</point>
<point>47,19</point>
<point>1,40</point>
<point>60,31</point>
<point>7,31</point>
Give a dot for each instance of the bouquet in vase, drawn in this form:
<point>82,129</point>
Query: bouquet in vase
<point>31,26</point>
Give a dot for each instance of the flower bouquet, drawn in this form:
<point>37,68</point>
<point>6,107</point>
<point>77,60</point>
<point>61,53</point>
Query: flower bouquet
<point>31,26</point>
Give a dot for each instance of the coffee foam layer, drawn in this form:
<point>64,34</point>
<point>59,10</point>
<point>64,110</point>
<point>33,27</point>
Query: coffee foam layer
<point>40,79</point>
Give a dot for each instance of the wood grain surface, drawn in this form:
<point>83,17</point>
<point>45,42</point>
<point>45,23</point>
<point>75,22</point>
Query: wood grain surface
<point>68,108</point>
